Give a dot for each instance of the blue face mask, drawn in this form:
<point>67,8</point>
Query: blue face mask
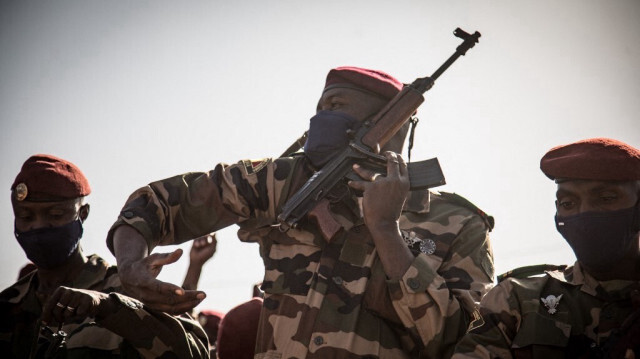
<point>50,247</point>
<point>328,135</point>
<point>600,239</point>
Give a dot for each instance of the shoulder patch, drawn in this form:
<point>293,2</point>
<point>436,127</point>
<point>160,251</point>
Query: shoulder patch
<point>476,322</point>
<point>530,271</point>
<point>459,200</point>
<point>254,166</point>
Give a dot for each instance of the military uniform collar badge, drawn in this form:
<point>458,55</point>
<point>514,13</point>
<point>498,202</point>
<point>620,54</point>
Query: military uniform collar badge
<point>426,246</point>
<point>551,303</point>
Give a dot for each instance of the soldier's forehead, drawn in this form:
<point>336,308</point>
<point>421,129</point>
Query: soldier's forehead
<point>68,203</point>
<point>573,185</point>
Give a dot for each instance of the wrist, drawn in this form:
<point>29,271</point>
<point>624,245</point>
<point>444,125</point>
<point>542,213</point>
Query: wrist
<point>384,227</point>
<point>113,302</point>
<point>196,263</point>
<point>107,305</point>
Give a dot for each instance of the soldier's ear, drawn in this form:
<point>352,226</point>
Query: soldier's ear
<point>83,212</point>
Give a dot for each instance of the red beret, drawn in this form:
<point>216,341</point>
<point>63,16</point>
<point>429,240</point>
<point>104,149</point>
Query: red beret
<point>600,159</point>
<point>374,81</point>
<point>238,331</point>
<point>210,322</point>
<point>49,178</point>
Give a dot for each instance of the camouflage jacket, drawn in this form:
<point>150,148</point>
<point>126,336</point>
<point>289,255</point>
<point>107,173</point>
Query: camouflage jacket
<point>563,314</point>
<point>330,300</point>
<point>133,331</point>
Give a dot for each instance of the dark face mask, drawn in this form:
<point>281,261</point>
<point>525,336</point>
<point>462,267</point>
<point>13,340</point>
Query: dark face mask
<point>50,247</point>
<point>600,239</point>
<point>328,136</point>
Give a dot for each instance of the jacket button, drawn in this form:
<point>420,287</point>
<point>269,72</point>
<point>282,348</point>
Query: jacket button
<point>318,340</point>
<point>338,280</point>
<point>127,214</point>
<point>413,283</point>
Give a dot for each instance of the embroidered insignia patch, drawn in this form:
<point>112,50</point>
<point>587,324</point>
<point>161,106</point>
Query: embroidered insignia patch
<point>476,322</point>
<point>254,166</point>
<point>551,303</point>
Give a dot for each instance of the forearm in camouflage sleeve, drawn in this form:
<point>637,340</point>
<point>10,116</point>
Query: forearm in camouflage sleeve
<point>436,298</point>
<point>184,207</point>
<point>154,334</point>
<point>501,315</point>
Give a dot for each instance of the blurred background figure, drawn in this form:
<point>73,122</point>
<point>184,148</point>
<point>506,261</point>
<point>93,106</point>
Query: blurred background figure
<point>210,321</point>
<point>238,330</point>
<point>202,249</point>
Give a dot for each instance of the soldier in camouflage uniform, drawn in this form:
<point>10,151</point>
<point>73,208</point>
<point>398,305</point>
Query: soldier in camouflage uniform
<point>400,279</point>
<point>591,309</point>
<point>71,306</point>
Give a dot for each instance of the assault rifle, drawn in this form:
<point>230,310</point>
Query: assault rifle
<point>364,148</point>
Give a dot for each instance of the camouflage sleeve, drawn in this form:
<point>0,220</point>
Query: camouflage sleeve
<point>162,334</point>
<point>500,310</point>
<point>184,207</point>
<point>437,297</point>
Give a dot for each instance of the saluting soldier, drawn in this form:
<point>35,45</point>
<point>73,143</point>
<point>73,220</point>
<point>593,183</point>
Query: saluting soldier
<point>400,279</point>
<point>72,305</point>
<point>591,309</point>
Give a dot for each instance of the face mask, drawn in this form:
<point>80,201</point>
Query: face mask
<point>50,247</point>
<point>328,136</point>
<point>600,239</point>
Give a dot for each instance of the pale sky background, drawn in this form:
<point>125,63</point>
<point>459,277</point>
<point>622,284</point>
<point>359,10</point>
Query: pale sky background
<point>135,91</point>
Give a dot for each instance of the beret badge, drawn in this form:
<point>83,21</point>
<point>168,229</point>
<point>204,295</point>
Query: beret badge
<point>21,191</point>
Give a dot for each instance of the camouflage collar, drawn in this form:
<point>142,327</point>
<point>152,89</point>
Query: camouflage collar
<point>22,286</point>
<point>607,290</point>
<point>91,273</point>
<point>577,277</point>
<point>417,202</point>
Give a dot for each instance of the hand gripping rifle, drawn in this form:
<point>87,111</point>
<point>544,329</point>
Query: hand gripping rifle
<point>363,149</point>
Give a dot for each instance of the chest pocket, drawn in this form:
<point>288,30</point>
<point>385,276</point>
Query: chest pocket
<point>358,252</point>
<point>290,258</point>
<point>541,337</point>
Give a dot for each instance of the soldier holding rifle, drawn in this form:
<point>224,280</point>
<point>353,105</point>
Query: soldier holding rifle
<point>395,274</point>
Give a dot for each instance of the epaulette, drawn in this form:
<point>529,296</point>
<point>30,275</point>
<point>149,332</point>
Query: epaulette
<point>530,271</point>
<point>459,200</point>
